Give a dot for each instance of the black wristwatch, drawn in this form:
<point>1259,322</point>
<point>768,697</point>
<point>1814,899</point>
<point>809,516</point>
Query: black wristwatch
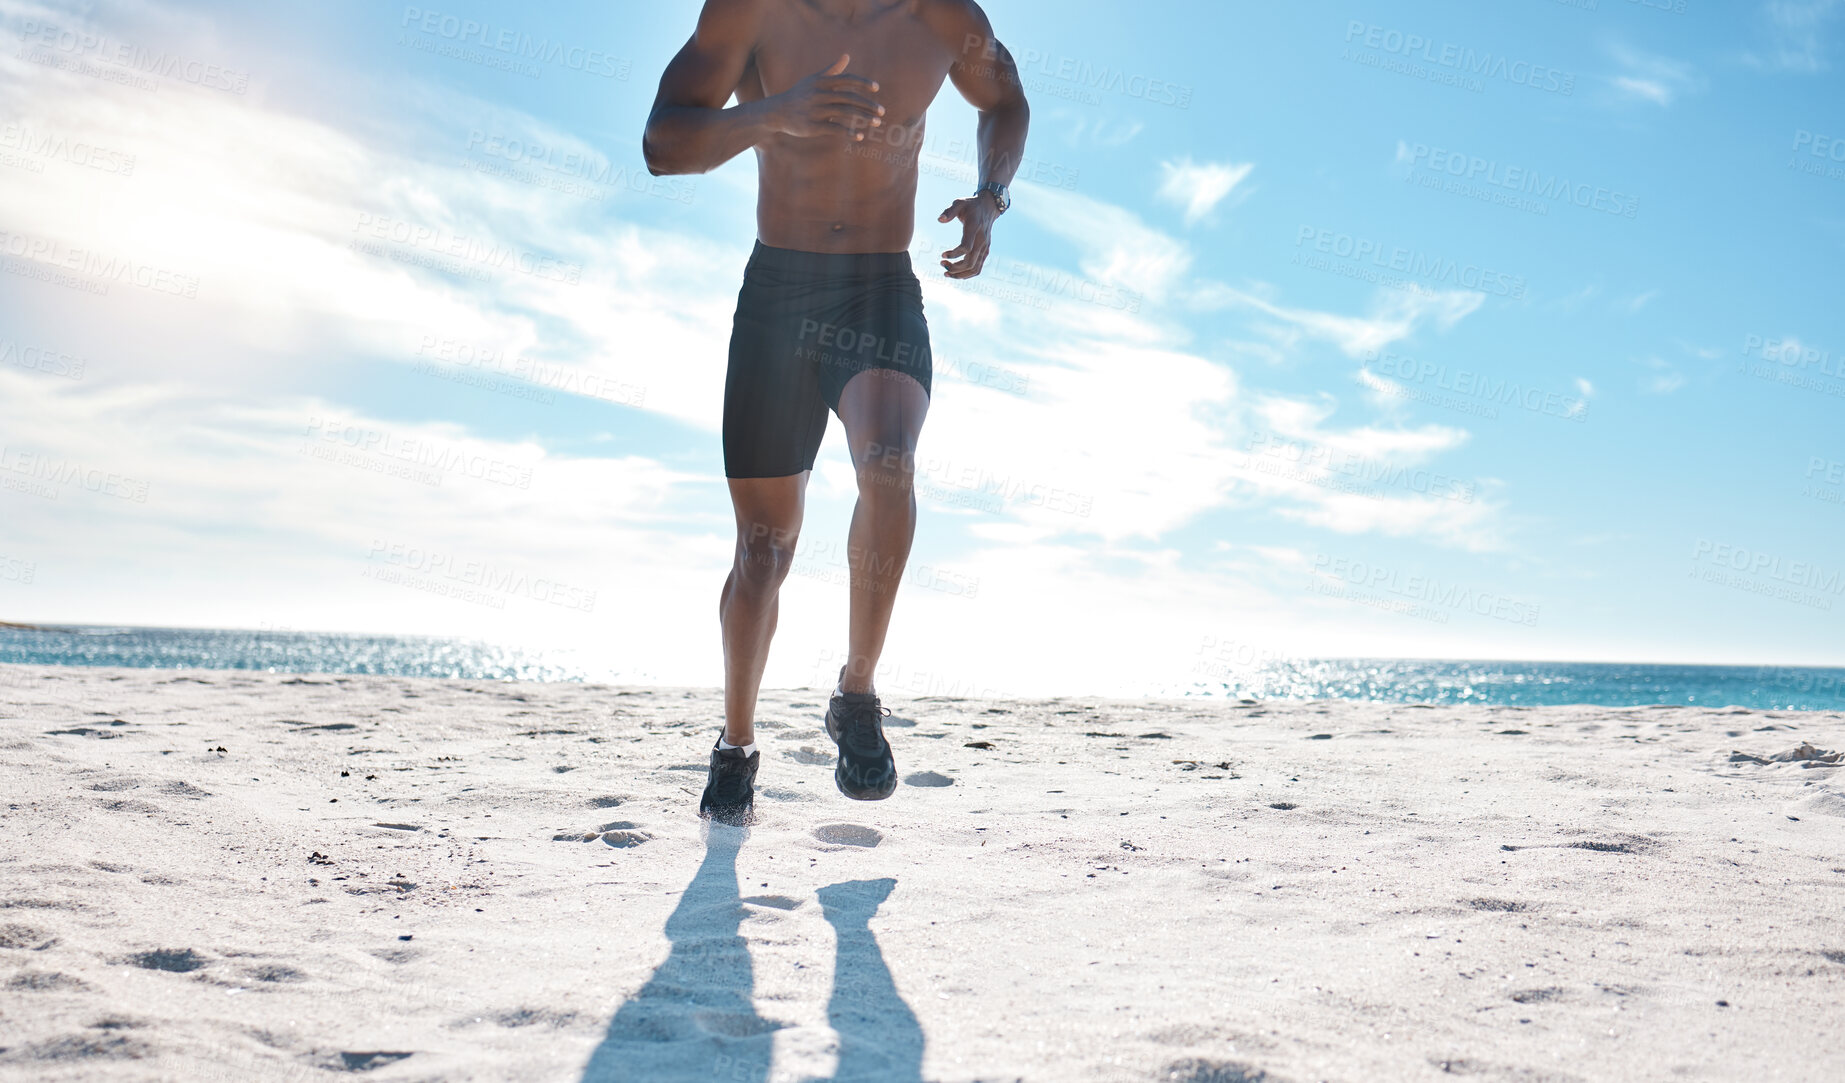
<point>1001,197</point>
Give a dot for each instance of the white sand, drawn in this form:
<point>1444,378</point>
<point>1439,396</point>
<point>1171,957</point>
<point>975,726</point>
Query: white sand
<point>1110,892</point>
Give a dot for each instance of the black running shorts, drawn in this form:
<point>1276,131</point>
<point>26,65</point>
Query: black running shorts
<point>806,323</point>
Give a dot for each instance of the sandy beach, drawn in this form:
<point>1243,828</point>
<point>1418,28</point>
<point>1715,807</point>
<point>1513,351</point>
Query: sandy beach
<point>247,876</point>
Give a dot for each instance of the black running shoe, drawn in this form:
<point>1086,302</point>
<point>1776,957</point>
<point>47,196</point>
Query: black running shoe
<point>865,771</point>
<point>730,791</point>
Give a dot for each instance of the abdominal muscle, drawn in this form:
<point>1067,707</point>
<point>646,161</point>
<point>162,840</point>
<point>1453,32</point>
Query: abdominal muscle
<point>833,195</point>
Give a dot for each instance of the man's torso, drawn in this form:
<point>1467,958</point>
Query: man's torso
<point>835,194</point>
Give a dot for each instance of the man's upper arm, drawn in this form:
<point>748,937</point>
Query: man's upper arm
<point>983,70</point>
<point>707,69</point>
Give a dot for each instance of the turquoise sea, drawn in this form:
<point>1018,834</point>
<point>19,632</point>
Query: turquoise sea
<point>1800,688</point>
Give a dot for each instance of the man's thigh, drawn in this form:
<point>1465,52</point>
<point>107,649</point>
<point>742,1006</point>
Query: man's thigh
<point>883,412</point>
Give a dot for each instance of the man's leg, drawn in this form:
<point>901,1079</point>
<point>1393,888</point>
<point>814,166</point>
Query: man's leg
<point>883,413</point>
<point>768,523</point>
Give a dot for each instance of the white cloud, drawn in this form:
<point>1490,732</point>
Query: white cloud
<point>1116,247</point>
<point>1651,77</point>
<point>1395,315</point>
<point>1086,130</point>
<point>1651,90</point>
<point>287,512</point>
<point>1794,29</point>
<point>1663,379</point>
<point>1199,187</point>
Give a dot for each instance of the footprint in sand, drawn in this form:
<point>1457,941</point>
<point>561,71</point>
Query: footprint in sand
<point>735,1024</point>
<point>929,778</point>
<point>605,802</point>
<point>365,1062</point>
<point>849,835</point>
<point>776,902</point>
<point>621,834</point>
<point>183,961</point>
<point>82,1047</point>
<point>811,756</point>
<point>1197,1070</point>
<point>1633,844</point>
<point>275,973</point>
<point>43,981</point>
<point>1506,906</point>
<point>528,1017</point>
<point>25,938</point>
<point>86,731</point>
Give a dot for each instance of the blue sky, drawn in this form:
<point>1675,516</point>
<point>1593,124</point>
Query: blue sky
<point>1436,330</point>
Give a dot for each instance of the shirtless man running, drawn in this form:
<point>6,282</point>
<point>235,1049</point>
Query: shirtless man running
<point>832,95</point>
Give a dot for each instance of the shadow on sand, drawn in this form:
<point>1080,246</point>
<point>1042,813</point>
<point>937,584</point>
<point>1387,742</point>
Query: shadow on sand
<point>879,1038</point>
<point>695,1020</point>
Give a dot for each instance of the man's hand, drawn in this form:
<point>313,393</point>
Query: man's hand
<point>976,214</point>
<point>829,103</point>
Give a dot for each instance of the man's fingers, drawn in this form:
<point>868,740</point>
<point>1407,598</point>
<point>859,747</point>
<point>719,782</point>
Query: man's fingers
<point>847,82</point>
<point>847,118</point>
<point>953,210</point>
<point>871,109</point>
<point>968,267</point>
<point>970,239</point>
<point>837,74</point>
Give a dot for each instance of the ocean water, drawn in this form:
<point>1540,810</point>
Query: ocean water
<point>279,652</point>
<point>1798,688</point>
<point>1536,684</point>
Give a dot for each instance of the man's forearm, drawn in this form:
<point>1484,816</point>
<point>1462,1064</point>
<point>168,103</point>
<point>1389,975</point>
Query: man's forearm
<point>1002,141</point>
<point>691,139</point>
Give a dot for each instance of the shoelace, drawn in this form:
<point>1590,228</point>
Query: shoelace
<point>859,728</point>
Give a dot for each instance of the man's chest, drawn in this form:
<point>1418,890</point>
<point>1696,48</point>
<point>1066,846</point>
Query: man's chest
<point>901,54</point>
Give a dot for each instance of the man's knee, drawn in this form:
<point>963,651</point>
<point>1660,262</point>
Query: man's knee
<point>765,554</point>
<point>887,466</point>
